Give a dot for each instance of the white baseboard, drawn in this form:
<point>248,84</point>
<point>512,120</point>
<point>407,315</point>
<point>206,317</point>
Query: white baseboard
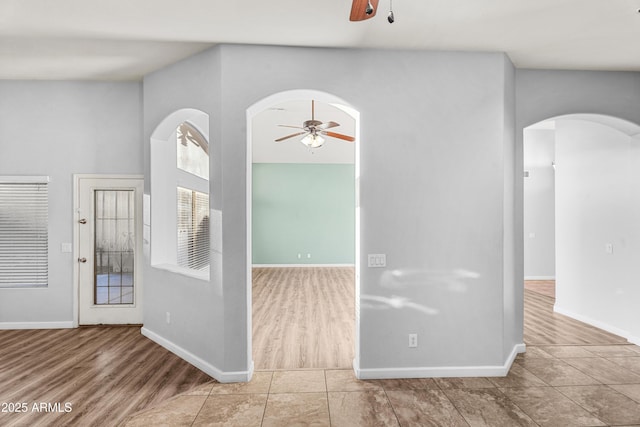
<point>539,277</point>
<point>36,325</point>
<point>207,368</point>
<point>598,324</point>
<point>300,265</point>
<point>517,349</point>
<point>440,372</point>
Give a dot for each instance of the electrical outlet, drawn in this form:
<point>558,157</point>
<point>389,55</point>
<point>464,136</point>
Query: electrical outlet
<point>413,340</point>
<point>308,256</point>
<point>168,317</point>
<point>299,256</point>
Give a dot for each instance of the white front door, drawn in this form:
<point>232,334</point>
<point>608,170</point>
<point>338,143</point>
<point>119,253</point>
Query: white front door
<point>109,239</point>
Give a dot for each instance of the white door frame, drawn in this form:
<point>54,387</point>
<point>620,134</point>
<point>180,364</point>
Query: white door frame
<point>76,236</point>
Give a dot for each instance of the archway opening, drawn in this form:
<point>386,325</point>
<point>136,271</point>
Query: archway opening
<point>302,232</point>
<point>581,204</point>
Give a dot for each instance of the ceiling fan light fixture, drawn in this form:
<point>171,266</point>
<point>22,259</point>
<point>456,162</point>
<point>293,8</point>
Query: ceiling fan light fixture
<point>313,140</point>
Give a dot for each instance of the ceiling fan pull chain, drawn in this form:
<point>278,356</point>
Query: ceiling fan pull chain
<point>390,17</point>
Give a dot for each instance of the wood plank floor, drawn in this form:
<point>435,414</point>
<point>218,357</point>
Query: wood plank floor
<point>544,287</point>
<point>542,326</point>
<point>303,317</point>
<point>104,373</point>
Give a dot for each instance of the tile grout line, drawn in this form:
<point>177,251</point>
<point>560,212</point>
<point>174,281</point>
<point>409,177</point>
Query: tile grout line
<point>577,403</point>
<point>518,406</point>
<point>200,410</point>
<point>326,391</point>
<point>535,376</point>
<point>264,411</point>
<point>444,393</point>
<point>384,390</point>
<point>627,371</point>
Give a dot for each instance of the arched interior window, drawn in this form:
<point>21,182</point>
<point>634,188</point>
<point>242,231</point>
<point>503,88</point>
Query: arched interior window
<point>193,151</point>
<point>192,155</point>
<point>180,232</point>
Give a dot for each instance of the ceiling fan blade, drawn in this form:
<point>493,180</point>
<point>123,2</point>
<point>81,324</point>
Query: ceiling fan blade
<point>359,7</point>
<point>327,125</point>
<point>289,126</point>
<point>290,136</point>
<point>338,135</point>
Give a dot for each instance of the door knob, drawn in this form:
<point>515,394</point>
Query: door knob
<point>82,221</point>
<point>83,259</point>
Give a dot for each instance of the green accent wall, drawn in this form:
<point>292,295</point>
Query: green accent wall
<point>303,209</point>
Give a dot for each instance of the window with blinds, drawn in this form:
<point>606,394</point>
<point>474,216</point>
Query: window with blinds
<point>192,161</point>
<point>193,229</point>
<point>24,204</point>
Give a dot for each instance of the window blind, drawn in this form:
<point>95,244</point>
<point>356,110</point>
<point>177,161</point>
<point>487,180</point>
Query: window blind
<point>23,233</point>
<point>193,229</point>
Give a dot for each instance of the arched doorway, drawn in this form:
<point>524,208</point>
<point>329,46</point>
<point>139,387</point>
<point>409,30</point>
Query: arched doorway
<point>581,204</point>
<point>273,161</point>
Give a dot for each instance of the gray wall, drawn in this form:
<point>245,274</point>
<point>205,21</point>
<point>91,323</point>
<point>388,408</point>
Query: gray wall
<point>598,203</point>
<point>433,174</point>
<point>543,94</point>
<point>58,129</point>
<point>539,204</point>
<point>197,307</point>
<point>513,303</point>
<point>436,144</point>
<point>441,189</point>
<point>441,192</point>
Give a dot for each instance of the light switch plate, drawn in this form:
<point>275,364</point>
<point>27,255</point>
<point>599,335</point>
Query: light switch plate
<point>66,248</point>
<point>377,260</point>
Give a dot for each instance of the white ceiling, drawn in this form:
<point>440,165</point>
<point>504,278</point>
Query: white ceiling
<point>124,39</point>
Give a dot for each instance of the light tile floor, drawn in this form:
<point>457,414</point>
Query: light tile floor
<point>547,386</point>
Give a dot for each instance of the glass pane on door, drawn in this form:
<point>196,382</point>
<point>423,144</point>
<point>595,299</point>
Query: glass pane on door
<point>114,219</point>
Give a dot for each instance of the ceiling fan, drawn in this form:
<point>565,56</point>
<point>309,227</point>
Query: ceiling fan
<point>313,129</point>
<point>363,9</point>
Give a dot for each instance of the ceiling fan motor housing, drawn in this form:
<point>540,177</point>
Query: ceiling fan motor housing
<point>311,124</point>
